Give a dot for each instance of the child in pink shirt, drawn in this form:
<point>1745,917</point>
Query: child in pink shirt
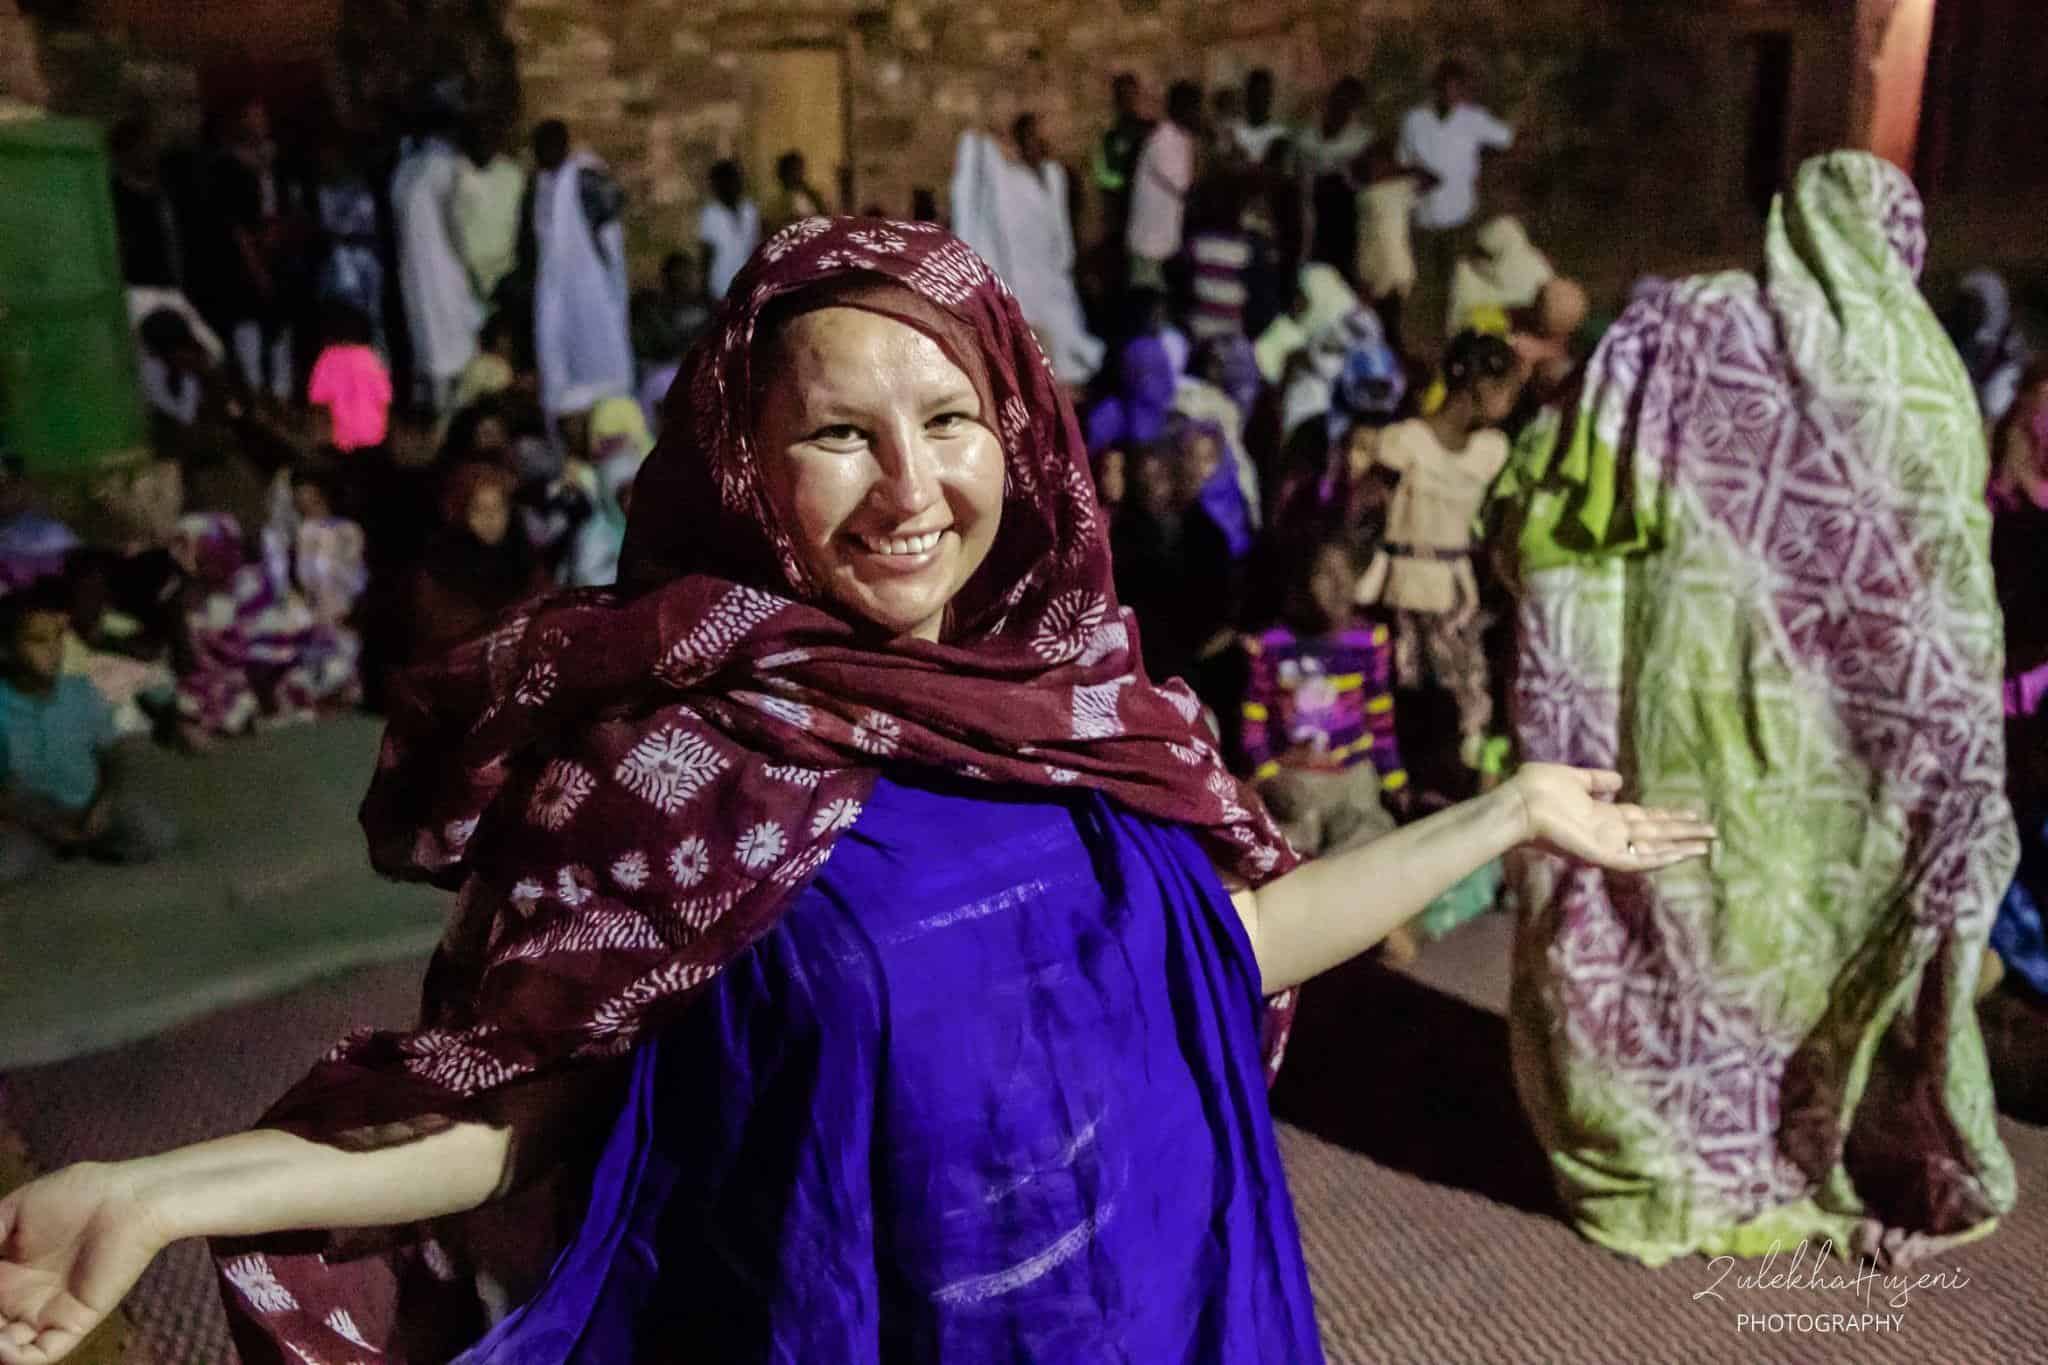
<point>350,381</point>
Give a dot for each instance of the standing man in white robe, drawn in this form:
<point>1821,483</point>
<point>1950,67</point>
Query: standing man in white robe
<point>1010,205</point>
<point>581,328</point>
<point>441,311</point>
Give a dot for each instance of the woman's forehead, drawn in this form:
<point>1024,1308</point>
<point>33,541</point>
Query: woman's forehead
<point>851,354</point>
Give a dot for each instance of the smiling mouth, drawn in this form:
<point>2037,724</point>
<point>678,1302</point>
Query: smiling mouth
<point>901,546</point>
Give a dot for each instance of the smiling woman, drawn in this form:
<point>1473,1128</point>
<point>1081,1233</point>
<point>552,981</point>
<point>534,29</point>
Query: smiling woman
<point>847,878</point>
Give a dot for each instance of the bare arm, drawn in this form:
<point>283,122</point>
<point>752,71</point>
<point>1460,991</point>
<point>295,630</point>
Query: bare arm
<point>73,1243</point>
<point>272,1181</point>
<point>1330,910</point>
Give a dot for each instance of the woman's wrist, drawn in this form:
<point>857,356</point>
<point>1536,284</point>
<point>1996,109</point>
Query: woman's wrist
<point>1512,796</point>
<point>136,1202</point>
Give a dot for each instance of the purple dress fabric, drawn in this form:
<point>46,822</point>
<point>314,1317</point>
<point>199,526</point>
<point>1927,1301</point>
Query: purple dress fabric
<point>990,1091</point>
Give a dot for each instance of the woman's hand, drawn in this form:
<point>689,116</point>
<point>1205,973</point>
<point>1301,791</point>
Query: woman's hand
<point>71,1246</point>
<point>1570,811</point>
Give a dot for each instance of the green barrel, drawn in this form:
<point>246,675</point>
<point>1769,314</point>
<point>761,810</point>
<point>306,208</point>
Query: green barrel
<point>68,398</point>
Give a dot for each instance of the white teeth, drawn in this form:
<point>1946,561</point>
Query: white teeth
<point>902,545</point>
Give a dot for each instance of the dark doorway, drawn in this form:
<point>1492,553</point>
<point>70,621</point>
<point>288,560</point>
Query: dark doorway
<point>1768,57</point>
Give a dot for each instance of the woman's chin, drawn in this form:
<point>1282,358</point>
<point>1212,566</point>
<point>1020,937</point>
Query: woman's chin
<point>899,610</point>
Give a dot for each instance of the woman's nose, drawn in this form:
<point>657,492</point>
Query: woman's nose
<point>909,481</point>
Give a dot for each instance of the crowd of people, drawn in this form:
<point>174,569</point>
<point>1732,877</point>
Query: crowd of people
<point>389,411</point>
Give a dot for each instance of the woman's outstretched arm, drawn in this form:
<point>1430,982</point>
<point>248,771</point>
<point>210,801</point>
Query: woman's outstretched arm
<point>1330,910</point>
<point>73,1243</point>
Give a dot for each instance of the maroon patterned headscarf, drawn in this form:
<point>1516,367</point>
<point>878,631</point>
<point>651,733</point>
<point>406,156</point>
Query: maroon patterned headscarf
<point>629,787</point>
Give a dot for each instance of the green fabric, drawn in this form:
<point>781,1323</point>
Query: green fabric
<point>1756,582</point>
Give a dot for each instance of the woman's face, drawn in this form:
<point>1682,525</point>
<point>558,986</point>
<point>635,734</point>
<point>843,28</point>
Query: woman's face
<point>878,463</point>
<point>490,515</point>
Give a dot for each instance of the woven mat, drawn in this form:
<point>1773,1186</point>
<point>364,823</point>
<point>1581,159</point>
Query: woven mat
<point>113,1343</point>
<point>208,1077</point>
<point>1423,1201</point>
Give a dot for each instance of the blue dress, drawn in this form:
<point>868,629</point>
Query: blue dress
<point>989,1091</point>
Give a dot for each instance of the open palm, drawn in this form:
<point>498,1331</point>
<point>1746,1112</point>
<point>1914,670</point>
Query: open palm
<point>71,1246</point>
<point>1571,811</point>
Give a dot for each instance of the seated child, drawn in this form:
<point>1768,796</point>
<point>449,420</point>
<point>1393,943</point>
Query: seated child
<point>328,564</point>
<point>496,365</point>
<point>349,382</point>
<point>1319,709</point>
<point>33,543</point>
<point>62,795</point>
<point>619,444</point>
<point>1317,737</point>
<point>1173,564</point>
<point>109,649</point>
<point>252,653</point>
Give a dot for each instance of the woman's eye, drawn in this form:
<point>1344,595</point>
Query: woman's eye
<point>947,422</point>
<point>839,435</point>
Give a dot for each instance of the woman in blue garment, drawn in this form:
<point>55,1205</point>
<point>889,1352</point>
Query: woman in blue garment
<point>927,937</point>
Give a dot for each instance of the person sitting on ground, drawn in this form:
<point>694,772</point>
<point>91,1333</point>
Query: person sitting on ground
<point>329,565</point>
<point>1174,568</point>
<point>63,770</point>
<point>477,566</point>
<point>126,666</point>
<point>619,445</point>
<point>1111,485</point>
<point>1203,448</point>
<point>252,656</point>
<point>496,367</point>
<point>179,374</point>
<point>33,543</point>
<point>350,390</point>
<point>1318,711</point>
<point>1141,385</point>
<point>1199,396</point>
